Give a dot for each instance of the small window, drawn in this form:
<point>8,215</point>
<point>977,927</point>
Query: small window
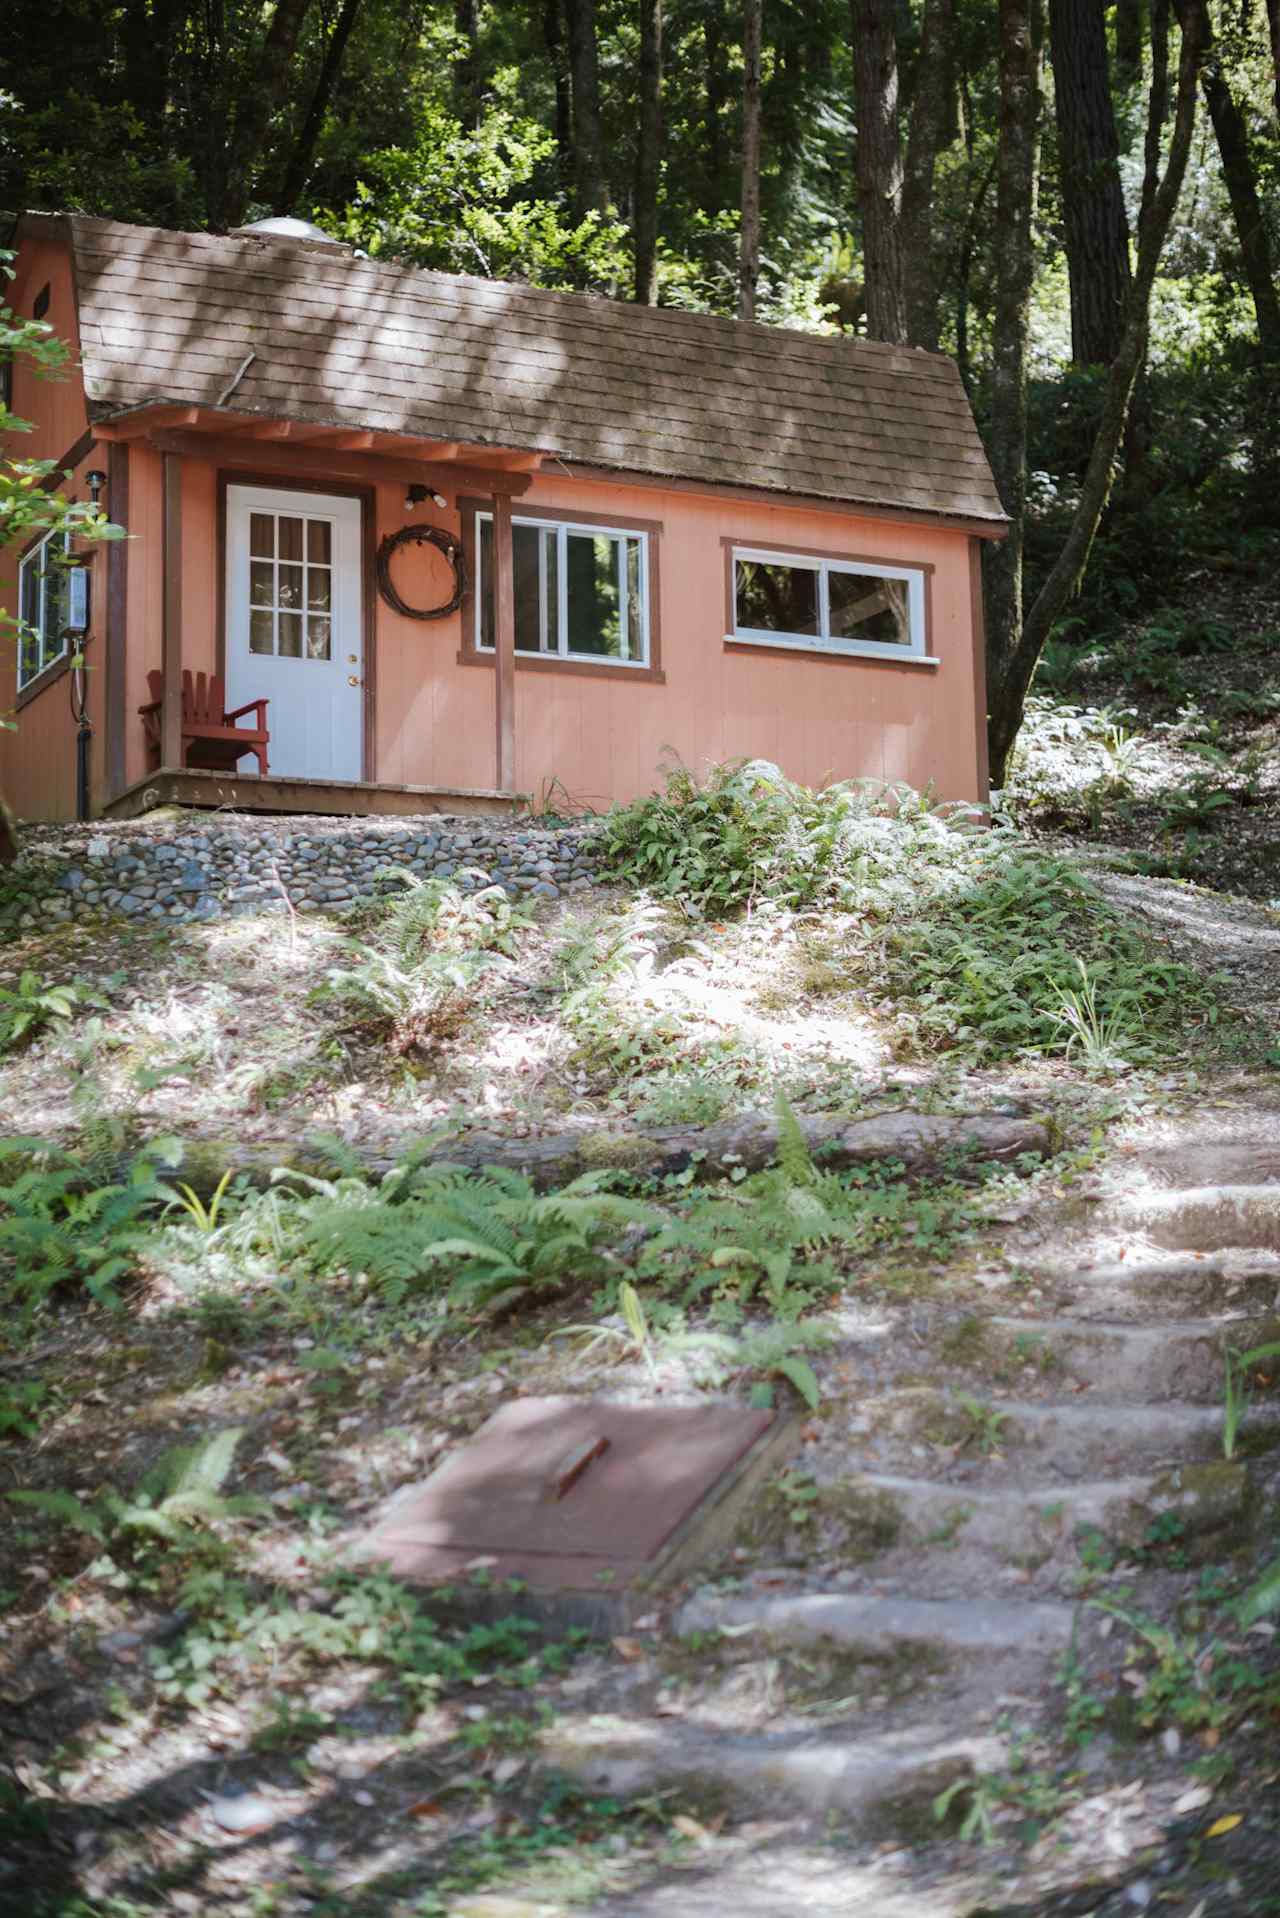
<point>829,606</point>
<point>42,607</point>
<point>581,592</point>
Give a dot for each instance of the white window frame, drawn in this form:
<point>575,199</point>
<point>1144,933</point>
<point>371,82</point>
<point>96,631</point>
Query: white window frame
<point>562,528</point>
<point>822,641</point>
<point>37,556</point>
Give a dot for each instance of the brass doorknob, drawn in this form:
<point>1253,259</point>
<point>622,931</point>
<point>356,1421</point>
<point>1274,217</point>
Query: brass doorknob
<point>352,680</point>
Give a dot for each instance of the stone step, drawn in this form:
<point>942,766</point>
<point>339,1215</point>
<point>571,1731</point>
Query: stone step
<point>1204,1218</point>
<point>875,1513</point>
<point>883,1777</point>
<point>1131,1364</point>
<point>886,1624</point>
<point>1072,1438</point>
<point>1222,1160</point>
<point>1138,1290</point>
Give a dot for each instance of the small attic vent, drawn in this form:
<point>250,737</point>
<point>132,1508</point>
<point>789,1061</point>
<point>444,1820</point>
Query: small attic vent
<point>282,226</point>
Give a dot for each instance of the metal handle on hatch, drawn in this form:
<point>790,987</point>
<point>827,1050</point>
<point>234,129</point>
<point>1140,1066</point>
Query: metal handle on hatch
<point>574,1464</point>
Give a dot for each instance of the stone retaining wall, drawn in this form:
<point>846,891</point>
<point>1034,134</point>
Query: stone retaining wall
<point>207,866</point>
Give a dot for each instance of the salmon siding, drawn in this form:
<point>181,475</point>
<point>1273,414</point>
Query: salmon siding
<point>667,586</point>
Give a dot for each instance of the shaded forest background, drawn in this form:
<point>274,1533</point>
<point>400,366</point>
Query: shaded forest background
<point>1080,202</point>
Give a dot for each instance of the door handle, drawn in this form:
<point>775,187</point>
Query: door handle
<point>352,679</point>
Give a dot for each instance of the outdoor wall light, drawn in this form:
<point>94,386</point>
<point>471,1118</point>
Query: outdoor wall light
<point>418,495</point>
<point>96,481</point>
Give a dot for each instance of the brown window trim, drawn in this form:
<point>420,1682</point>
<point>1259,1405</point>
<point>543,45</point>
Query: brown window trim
<point>280,481</point>
<point>469,654</point>
<point>47,676</point>
<point>735,643</point>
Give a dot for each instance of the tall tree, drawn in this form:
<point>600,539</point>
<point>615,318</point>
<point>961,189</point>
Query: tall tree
<point>262,90</point>
<point>714,97</point>
<point>466,63</point>
<point>749,238</point>
<point>879,166</point>
<point>1021,61</point>
<point>931,123</point>
<point>1240,179</point>
<point>297,168</point>
<point>648,152</point>
<point>1129,19</point>
<point>1159,201</point>
<point>553,37</point>
<point>591,192</point>
<point>1273,25</point>
<point>1095,226</point>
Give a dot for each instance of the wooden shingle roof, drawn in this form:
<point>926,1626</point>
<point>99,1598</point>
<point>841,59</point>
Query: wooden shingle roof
<point>336,340</point>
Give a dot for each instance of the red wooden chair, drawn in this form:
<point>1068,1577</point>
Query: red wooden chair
<point>210,737</point>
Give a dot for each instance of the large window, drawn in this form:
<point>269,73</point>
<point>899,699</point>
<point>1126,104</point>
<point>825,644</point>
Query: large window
<point>581,592</point>
<point>829,606</point>
<point>42,607</point>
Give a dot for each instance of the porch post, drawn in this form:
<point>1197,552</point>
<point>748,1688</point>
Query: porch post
<point>171,618</point>
<point>504,643</point>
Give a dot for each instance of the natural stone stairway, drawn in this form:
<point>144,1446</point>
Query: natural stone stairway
<point>926,1573</point>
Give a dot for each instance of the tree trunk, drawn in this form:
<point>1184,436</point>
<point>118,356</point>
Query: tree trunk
<point>591,195</point>
<point>1240,178</point>
<point>553,40</point>
<point>714,93</point>
<point>749,241</point>
<point>1017,164</point>
<point>466,64</point>
<point>8,836</point>
<point>875,71</point>
<point>649,152</point>
<point>1128,43</point>
<point>1273,23</point>
<point>1094,222</point>
<point>1160,203</point>
<point>931,127</point>
<point>297,171</point>
<point>259,99</point>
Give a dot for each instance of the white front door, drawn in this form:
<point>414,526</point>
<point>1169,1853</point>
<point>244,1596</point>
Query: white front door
<point>294,626</point>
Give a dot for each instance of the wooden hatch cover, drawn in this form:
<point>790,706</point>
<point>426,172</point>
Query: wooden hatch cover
<point>582,1496</point>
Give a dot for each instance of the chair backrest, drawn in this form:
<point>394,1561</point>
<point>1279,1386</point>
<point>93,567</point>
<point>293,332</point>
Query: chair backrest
<point>203,700</point>
<point>155,681</point>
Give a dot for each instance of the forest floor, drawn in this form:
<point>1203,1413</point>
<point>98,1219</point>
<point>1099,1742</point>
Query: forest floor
<point>1006,1554</point>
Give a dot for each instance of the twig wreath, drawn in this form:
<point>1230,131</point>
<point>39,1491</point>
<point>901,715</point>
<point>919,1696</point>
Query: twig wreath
<point>419,536</point>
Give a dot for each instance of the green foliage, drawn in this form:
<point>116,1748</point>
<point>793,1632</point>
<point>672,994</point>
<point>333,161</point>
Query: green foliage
<point>21,1405</point>
<point>432,942</point>
<point>57,1230</point>
<point>181,1492</point>
<point>32,1005</point>
<point>455,198</point>
<point>975,940</point>
<point>473,1239</point>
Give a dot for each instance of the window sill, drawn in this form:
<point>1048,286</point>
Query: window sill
<point>46,677</point>
<point>788,648</point>
<point>617,670</point>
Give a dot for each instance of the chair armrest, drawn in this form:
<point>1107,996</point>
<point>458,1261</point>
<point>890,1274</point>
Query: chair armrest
<point>152,707</point>
<point>258,706</point>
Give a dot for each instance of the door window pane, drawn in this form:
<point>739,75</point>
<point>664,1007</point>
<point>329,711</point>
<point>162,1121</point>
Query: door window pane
<point>289,586</point>
<point>260,632</point>
<point>773,597</point>
<point>290,635</point>
<point>261,582</point>
<point>262,535</point>
<point>318,638</point>
<point>289,534</point>
<point>865,606</point>
<point>319,542</point>
<point>318,588</point>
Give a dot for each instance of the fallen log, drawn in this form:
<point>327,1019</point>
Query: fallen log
<point>919,1141</point>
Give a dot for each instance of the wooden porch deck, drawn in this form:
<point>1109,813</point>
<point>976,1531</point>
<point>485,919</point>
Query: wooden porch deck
<point>247,792</point>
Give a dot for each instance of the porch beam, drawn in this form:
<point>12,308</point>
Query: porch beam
<point>171,613</point>
<point>504,641</point>
<point>135,426</point>
<point>261,455</point>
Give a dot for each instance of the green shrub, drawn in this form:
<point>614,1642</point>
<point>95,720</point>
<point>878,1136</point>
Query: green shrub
<point>59,1229</point>
<point>972,938</point>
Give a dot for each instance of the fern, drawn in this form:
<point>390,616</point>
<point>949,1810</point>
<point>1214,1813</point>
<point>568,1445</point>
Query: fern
<point>182,1489</point>
<point>793,1148</point>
